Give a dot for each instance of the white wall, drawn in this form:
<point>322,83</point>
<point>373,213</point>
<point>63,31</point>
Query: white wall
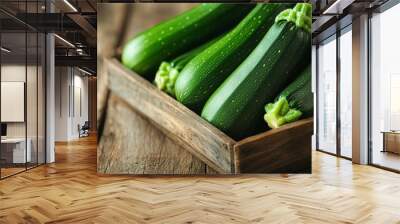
<point>71,94</point>
<point>33,127</point>
<point>12,73</point>
<point>80,109</point>
<point>62,81</point>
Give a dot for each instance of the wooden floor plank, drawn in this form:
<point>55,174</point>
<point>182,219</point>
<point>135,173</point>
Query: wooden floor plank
<point>70,191</point>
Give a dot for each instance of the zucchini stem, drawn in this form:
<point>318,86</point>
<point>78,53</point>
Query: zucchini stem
<point>279,113</point>
<point>299,15</point>
<point>168,72</point>
<point>166,77</point>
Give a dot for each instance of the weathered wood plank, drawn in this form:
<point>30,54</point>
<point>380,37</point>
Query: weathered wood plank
<point>109,31</point>
<point>210,171</point>
<point>283,150</point>
<point>182,125</point>
<point>132,145</point>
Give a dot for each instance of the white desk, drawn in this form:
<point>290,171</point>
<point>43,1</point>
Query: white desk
<point>18,144</point>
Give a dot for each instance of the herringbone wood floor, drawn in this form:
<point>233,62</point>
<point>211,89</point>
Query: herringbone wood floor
<point>69,191</point>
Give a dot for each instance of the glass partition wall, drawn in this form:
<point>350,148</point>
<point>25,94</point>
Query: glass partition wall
<point>345,91</point>
<point>22,98</point>
<point>385,89</point>
<point>334,93</point>
<point>334,89</point>
<point>13,90</point>
<point>326,108</point>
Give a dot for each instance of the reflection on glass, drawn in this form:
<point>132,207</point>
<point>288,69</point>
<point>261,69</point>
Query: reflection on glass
<point>327,96</point>
<point>41,99</point>
<point>22,90</point>
<point>31,101</point>
<point>345,94</point>
<point>385,89</point>
<point>14,153</point>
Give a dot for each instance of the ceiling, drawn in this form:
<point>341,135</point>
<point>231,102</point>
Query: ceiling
<point>332,15</point>
<point>74,22</point>
<point>16,42</point>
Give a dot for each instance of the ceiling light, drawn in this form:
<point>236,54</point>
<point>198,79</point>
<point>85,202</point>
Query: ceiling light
<point>338,6</point>
<point>80,51</point>
<point>5,50</point>
<point>65,41</point>
<point>331,7</point>
<point>84,71</point>
<point>70,5</point>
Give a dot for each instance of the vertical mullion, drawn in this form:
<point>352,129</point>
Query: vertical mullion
<point>338,73</point>
<point>0,91</point>
<point>26,85</point>
<point>69,92</point>
<point>45,89</point>
<point>317,96</point>
<point>369,90</point>
<point>60,88</point>
<point>37,89</point>
<point>80,102</point>
<point>73,92</point>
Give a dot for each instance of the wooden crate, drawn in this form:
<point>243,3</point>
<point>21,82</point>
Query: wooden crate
<point>148,132</point>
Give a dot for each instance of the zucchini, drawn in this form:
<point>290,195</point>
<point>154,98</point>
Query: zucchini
<point>168,71</point>
<point>237,106</point>
<point>202,75</point>
<point>295,101</point>
<point>145,52</point>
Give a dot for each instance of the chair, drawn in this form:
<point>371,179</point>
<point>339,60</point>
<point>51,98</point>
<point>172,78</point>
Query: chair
<point>84,130</point>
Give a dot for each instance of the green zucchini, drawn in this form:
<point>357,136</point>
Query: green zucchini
<point>168,71</point>
<point>145,52</point>
<point>295,101</point>
<point>202,75</point>
<point>237,106</point>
